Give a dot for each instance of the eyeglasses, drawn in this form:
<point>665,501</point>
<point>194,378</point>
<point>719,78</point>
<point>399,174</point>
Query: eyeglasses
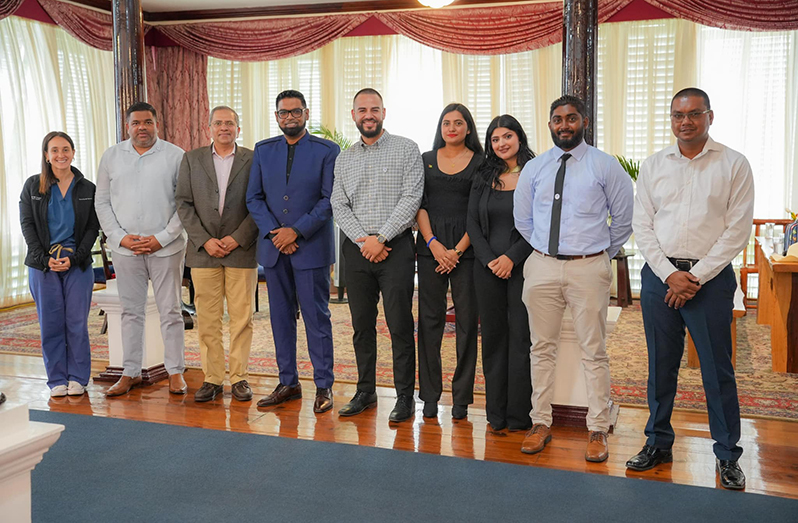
<point>692,116</point>
<point>219,123</point>
<point>282,114</point>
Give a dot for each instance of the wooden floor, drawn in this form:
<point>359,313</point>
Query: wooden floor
<point>770,461</point>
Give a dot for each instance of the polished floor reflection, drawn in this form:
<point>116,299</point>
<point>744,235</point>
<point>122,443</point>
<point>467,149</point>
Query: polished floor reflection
<point>770,460</point>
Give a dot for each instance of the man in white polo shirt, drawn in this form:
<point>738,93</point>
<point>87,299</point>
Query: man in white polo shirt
<point>135,203</point>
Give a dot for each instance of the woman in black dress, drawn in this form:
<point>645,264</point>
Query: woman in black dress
<point>498,276</point>
<point>444,257</point>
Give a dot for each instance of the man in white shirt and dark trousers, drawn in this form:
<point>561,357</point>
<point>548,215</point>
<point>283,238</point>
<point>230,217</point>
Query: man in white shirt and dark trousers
<point>135,204</point>
<point>693,215</point>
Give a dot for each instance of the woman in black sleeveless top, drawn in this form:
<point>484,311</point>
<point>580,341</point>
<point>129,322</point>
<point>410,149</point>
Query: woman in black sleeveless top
<point>444,257</point>
<point>500,252</point>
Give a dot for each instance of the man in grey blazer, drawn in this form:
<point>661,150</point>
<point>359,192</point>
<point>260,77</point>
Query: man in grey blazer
<point>211,202</point>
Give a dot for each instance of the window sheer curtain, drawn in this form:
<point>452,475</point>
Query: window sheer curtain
<point>49,81</point>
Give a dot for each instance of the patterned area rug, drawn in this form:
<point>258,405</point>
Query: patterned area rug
<point>762,392</point>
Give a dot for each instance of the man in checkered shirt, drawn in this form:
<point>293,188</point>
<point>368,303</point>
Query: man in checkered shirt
<point>378,186</point>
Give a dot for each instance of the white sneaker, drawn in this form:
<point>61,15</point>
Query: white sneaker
<point>75,389</point>
<point>59,391</point>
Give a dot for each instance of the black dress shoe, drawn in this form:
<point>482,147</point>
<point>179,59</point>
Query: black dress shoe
<point>460,411</point>
<point>649,458</point>
<point>241,391</point>
<point>323,401</point>
<point>360,402</point>
<point>281,394</point>
<point>403,410</point>
<point>731,475</point>
<point>430,409</point>
<point>207,392</point>
<point>2,398</point>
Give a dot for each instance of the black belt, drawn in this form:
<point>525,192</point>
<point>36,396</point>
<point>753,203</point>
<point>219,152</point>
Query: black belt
<point>568,257</point>
<point>683,264</point>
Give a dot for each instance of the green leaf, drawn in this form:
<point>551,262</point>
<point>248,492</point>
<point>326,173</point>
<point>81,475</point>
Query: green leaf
<point>632,167</point>
<point>332,135</point>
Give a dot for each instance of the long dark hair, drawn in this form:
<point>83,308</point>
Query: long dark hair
<point>47,178</point>
<point>472,139</point>
<point>493,166</point>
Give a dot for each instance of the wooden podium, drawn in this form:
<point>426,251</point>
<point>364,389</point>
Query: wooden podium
<point>778,306</point>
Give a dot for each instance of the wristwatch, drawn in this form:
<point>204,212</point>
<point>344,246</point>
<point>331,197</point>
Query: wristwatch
<point>458,252</point>
<point>381,239</point>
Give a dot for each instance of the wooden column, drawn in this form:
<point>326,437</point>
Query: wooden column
<point>579,43</point>
<point>128,59</point>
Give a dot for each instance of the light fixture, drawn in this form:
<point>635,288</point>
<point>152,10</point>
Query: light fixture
<point>435,3</point>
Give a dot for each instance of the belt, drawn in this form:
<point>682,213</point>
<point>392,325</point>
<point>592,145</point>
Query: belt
<point>568,257</point>
<point>683,264</point>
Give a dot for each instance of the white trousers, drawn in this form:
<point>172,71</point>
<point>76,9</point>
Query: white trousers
<point>166,273</point>
<point>584,286</point>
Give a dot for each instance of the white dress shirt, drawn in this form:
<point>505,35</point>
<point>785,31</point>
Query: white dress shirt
<point>700,208</point>
<point>595,186</point>
<point>136,195</point>
<point>223,165</point>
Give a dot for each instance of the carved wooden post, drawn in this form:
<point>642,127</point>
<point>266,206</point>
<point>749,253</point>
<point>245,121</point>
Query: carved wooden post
<point>128,59</point>
<point>579,43</point>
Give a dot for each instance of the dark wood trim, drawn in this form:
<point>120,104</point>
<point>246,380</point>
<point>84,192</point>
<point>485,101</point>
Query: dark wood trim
<point>148,376</point>
<point>571,416</point>
<point>301,9</point>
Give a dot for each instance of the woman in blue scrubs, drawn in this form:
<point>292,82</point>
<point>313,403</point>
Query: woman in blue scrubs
<point>60,227</point>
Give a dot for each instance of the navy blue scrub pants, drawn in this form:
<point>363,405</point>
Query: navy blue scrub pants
<point>63,300</point>
<point>309,290</point>
<point>708,317</point>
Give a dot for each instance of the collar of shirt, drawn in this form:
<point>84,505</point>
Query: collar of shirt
<point>710,145</point>
<point>382,139</point>
<point>305,138</point>
<point>213,148</point>
<point>577,153</point>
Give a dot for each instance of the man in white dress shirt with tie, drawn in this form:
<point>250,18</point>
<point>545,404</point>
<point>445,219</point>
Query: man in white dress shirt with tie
<point>135,203</point>
<point>693,215</point>
<point>562,202</point>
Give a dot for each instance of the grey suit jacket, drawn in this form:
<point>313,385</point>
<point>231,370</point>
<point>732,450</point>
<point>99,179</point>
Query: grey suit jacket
<point>197,198</point>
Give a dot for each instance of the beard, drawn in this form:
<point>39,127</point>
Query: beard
<point>293,131</point>
<point>369,134</point>
<point>569,143</point>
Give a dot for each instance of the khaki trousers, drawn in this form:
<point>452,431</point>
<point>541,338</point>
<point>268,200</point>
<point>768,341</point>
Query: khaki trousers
<point>211,287</point>
<point>584,286</point>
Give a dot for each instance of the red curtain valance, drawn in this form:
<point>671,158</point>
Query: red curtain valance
<point>485,30</point>
<point>261,40</point>
<point>745,15</point>
<point>8,7</point>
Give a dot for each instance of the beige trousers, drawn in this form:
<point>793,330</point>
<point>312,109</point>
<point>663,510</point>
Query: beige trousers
<point>211,287</point>
<point>584,286</point>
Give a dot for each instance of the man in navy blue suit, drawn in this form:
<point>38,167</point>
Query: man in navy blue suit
<point>289,198</point>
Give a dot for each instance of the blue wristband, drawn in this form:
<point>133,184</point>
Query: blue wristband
<point>430,240</point>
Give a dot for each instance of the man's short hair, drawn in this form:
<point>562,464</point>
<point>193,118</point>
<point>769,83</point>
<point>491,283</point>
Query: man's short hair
<point>366,90</point>
<point>223,108</point>
<point>290,93</point>
<point>140,106</point>
<point>692,91</point>
<point>568,99</point>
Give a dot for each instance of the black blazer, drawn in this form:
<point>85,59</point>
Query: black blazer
<point>479,228</point>
<point>33,217</point>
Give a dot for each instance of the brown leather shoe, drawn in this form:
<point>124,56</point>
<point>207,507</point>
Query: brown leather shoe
<point>281,393</point>
<point>324,401</point>
<point>177,385</point>
<point>536,439</point>
<point>597,449</point>
<point>123,386</point>
<point>241,391</point>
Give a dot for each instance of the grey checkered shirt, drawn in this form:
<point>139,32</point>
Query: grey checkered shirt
<point>378,187</point>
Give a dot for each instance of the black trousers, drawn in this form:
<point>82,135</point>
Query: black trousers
<point>505,348</point>
<point>364,282</point>
<point>432,288</point>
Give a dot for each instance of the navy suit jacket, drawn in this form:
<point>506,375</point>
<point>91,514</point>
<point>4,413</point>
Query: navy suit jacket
<point>302,203</point>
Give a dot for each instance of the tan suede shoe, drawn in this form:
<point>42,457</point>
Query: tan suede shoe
<point>123,386</point>
<point>177,385</point>
<point>536,439</point>
<point>597,449</point>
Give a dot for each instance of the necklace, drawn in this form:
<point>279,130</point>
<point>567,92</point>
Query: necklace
<point>516,169</point>
<point>453,161</point>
